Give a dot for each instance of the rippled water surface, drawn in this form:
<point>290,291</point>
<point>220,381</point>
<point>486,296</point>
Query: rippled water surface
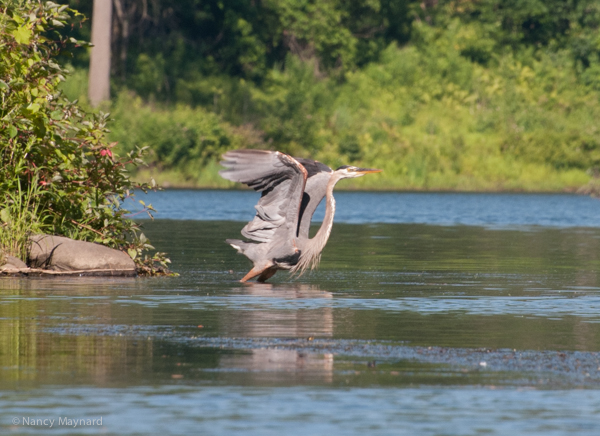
<point>434,314</point>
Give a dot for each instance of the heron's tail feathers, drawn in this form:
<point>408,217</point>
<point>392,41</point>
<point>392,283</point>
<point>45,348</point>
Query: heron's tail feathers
<point>239,245</point>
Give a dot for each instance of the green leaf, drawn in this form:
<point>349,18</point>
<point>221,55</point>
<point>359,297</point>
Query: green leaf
<point>33,108</point>
<point>22,35</point>
<point>132,253</point>
<point>5,215</point>
<point>12,131</point>
<point>3,85</point>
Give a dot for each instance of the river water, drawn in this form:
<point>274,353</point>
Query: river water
<point>435,314</point>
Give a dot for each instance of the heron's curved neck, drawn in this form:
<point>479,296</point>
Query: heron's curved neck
<point>311,248</point>
<point>320,239</point>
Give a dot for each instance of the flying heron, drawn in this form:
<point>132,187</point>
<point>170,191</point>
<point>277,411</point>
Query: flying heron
<point>291,188</point>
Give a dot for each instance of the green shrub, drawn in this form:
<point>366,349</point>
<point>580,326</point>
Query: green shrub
<point>183,141</point>
<point>58,173</point>
<point>434,119</point>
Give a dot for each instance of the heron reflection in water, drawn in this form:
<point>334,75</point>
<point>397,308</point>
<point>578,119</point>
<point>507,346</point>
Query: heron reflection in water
<point>291,188</point>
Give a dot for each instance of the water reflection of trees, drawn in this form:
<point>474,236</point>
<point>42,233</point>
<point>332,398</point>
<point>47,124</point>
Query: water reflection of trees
<point>59,340</point>
<point>396,261</point>
<point>416,247</point>
<point>363,262</point>
<point>35,343</point>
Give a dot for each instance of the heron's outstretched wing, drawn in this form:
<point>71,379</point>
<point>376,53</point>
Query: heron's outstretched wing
<point>316,188</point>
<point>280,178</point>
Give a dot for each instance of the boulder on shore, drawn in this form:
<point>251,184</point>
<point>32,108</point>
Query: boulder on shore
<point>12,264</point>
<point>60,255</point>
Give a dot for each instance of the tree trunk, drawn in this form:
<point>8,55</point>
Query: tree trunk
<point>99,79</point>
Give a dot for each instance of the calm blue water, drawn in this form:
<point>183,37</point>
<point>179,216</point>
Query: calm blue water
<point>493,210</point>
<point>433,314</point>
<point>301,411</point>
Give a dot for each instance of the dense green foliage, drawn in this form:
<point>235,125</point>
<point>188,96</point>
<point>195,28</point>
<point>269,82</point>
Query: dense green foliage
<point>183,138</point>
<point>163,44</point>
<point>460,94</point>
<point>58,173</point>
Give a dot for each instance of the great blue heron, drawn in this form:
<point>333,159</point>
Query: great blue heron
<point>292,188</point>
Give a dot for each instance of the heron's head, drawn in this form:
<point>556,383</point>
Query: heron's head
<point>347,171</point>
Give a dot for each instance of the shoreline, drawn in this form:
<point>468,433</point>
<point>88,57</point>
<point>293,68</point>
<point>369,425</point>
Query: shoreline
<point>566,191</point>
<point>210,179</point>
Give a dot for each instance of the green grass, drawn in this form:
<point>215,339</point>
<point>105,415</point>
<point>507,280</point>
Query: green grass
<point>19,219</point>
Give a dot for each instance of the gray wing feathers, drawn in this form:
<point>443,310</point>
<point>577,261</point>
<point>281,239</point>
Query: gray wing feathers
<point>279,177</point>
<point>313,167</point>
<point>258,169</point>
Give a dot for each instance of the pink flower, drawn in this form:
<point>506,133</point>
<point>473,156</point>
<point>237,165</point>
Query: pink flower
<point>106,152</point>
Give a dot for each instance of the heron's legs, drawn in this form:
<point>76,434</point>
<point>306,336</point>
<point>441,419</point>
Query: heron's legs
<point>267,274</point>
<point>256,271</point>
<point>253,273</point>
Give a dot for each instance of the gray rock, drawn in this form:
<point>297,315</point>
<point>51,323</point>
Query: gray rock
<point>13,265</point>
<point>15,261</point>
<point>64,255</point>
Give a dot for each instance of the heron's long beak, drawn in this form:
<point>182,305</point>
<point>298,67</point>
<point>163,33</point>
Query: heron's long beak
<point>367,170</point>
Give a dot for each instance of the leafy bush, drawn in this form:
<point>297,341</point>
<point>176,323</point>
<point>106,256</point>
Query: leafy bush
<point>184,143</point>
<point>58,173</point>
<point>434,119</point>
